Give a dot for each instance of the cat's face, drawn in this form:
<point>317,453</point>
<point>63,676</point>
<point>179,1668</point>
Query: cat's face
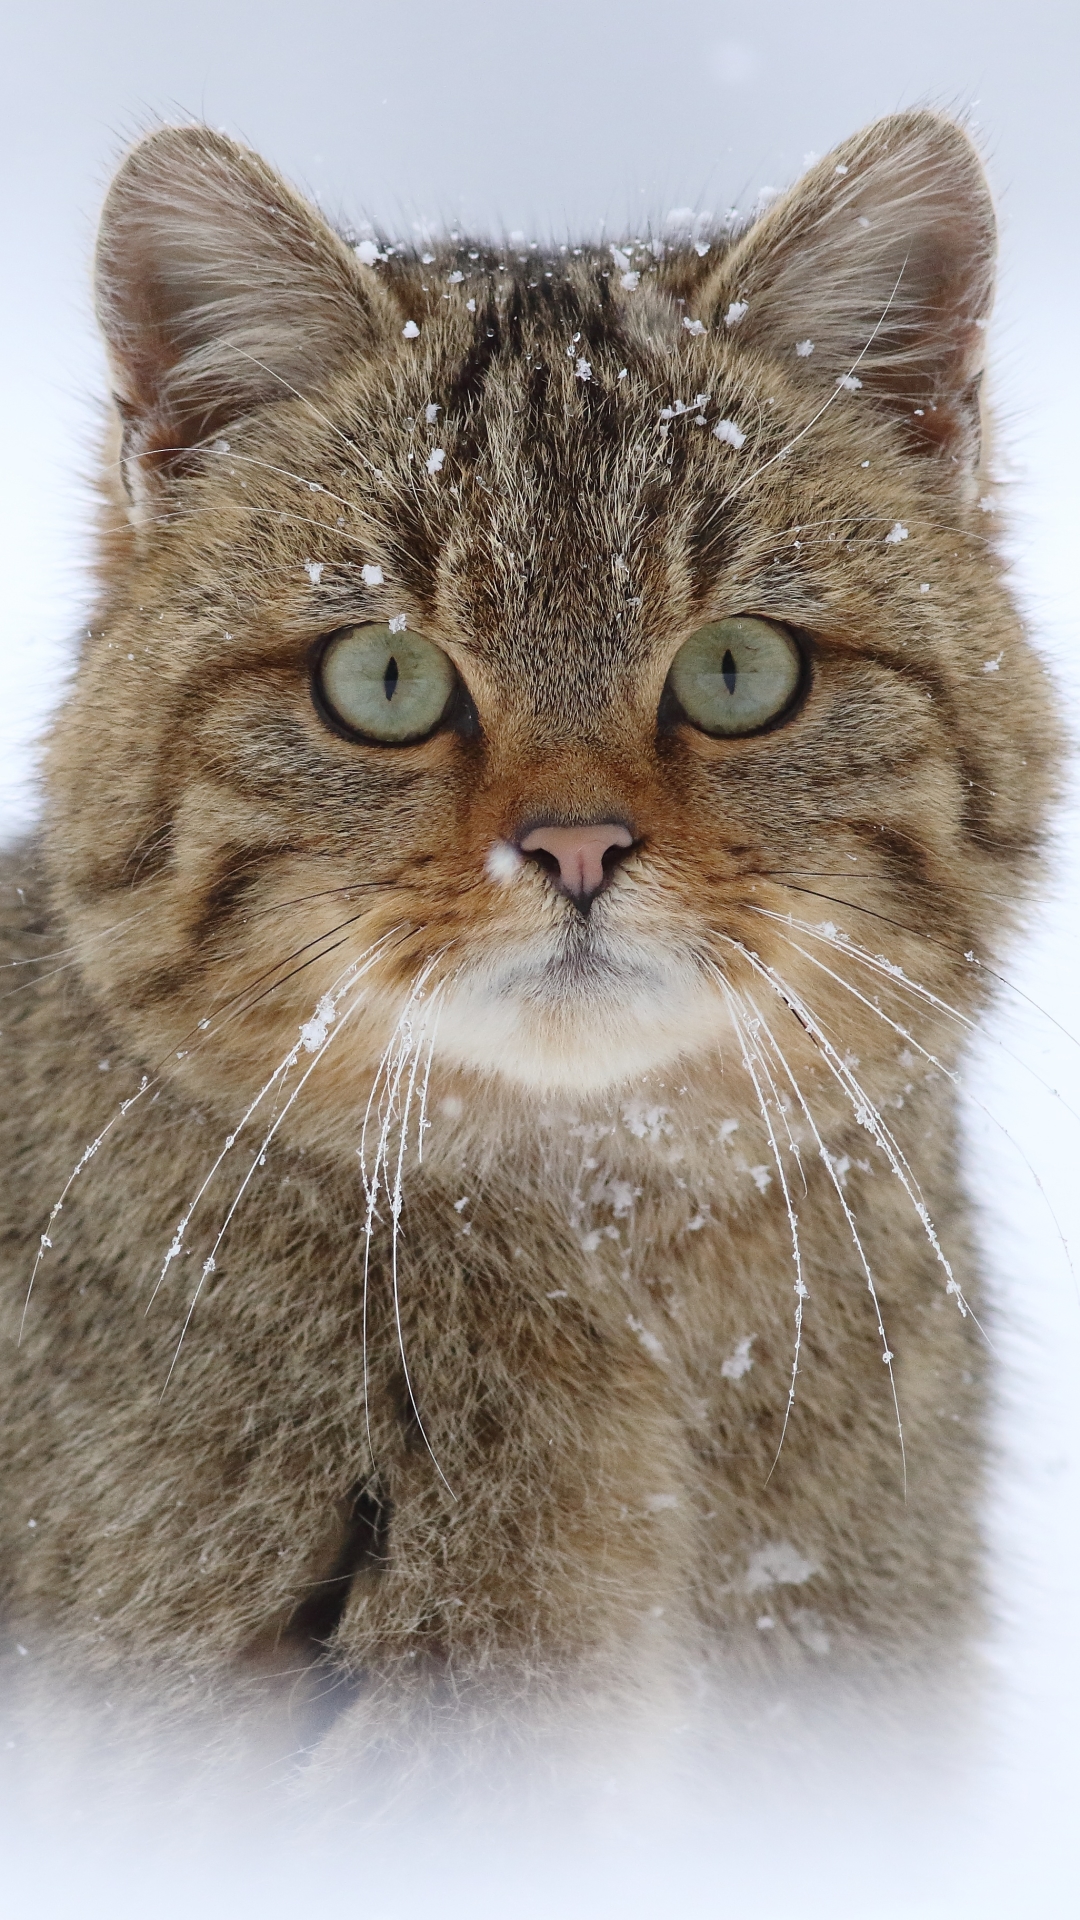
<point>693,620</point>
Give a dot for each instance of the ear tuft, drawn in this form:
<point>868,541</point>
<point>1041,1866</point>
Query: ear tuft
<point>876,270</point>
<point>218,289</point>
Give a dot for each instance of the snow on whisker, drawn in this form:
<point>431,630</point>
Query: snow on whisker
<point>412,1039</point>
<point>315,1036</point>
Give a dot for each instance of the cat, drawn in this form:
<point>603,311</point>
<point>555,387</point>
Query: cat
<point>552,762</point>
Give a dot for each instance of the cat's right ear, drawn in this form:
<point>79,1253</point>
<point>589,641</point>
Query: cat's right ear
<point>875,272</point>
<point>218,289</point>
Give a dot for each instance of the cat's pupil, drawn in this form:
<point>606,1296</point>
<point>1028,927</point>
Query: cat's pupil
<point>727,668</point>
<point>390,677</point>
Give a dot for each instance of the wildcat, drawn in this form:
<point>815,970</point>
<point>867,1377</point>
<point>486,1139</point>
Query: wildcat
<point>551,762</point>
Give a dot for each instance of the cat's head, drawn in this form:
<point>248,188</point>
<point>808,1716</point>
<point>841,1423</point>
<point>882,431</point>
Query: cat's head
<point>521,636</point>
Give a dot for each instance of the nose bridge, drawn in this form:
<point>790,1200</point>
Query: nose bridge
<point>568,784</point>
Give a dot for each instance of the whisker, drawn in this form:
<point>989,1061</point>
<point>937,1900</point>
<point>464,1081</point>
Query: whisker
<point>917,933</point>
<point>863,1108</point>
<point>953,1076</point>
<point>315,1037</point>
<point>900,981</point>
<point>801,1291</point>
<point>828,1162</point>
<point>58,1205</point>
<point>403,1047</point>
<point>312,1040</point>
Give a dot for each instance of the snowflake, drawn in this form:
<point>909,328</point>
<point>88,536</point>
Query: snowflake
<point>849,381</point>
<point>896,533</point>
<point>694,326</point>
<point>735,312</point>
<point>583,370</point>
<point>432,412</point>
<point>804,348</point>
<point>630,281</point>
<point>398,623</point>
<point>435,459</point>
<point>410,331</point>
<point>313,569</point>
<point>729,433</point>
<point>370,575</point>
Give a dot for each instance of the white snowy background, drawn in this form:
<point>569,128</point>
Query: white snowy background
<point>593,115</point>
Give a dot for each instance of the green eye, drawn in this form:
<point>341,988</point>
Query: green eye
<point>393,687</point>
<point>736,675</point>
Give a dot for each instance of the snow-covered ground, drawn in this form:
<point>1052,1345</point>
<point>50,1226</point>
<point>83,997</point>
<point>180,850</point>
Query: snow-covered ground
<point>578,113</point>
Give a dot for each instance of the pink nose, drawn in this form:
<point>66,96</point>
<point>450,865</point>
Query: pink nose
<point>578,855</point>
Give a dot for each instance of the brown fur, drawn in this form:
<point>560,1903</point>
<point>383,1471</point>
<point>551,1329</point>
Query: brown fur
<point>548,1481</point>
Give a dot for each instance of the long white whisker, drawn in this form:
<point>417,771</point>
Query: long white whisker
<point>830,1168</point>
<point>402,1053</point>
<point>58,1205</point>
<point>865,1113</point>
<point>325,1010</point>
<point>327,1019</point>
<point>878,963</point>
<point>950,1073</point>
<point>793,1224</point>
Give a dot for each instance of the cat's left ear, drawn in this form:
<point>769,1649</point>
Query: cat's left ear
<point>876,271</point>
<point>219,290</point>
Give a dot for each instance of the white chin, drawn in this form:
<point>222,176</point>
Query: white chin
<point>582,1036</point>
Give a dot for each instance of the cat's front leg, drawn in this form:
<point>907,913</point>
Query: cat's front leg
<point>537,1539</point>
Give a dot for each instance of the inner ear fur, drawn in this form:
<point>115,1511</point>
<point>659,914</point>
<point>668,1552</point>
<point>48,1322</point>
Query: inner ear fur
<point>883,256</point>
<point>218,289</point>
